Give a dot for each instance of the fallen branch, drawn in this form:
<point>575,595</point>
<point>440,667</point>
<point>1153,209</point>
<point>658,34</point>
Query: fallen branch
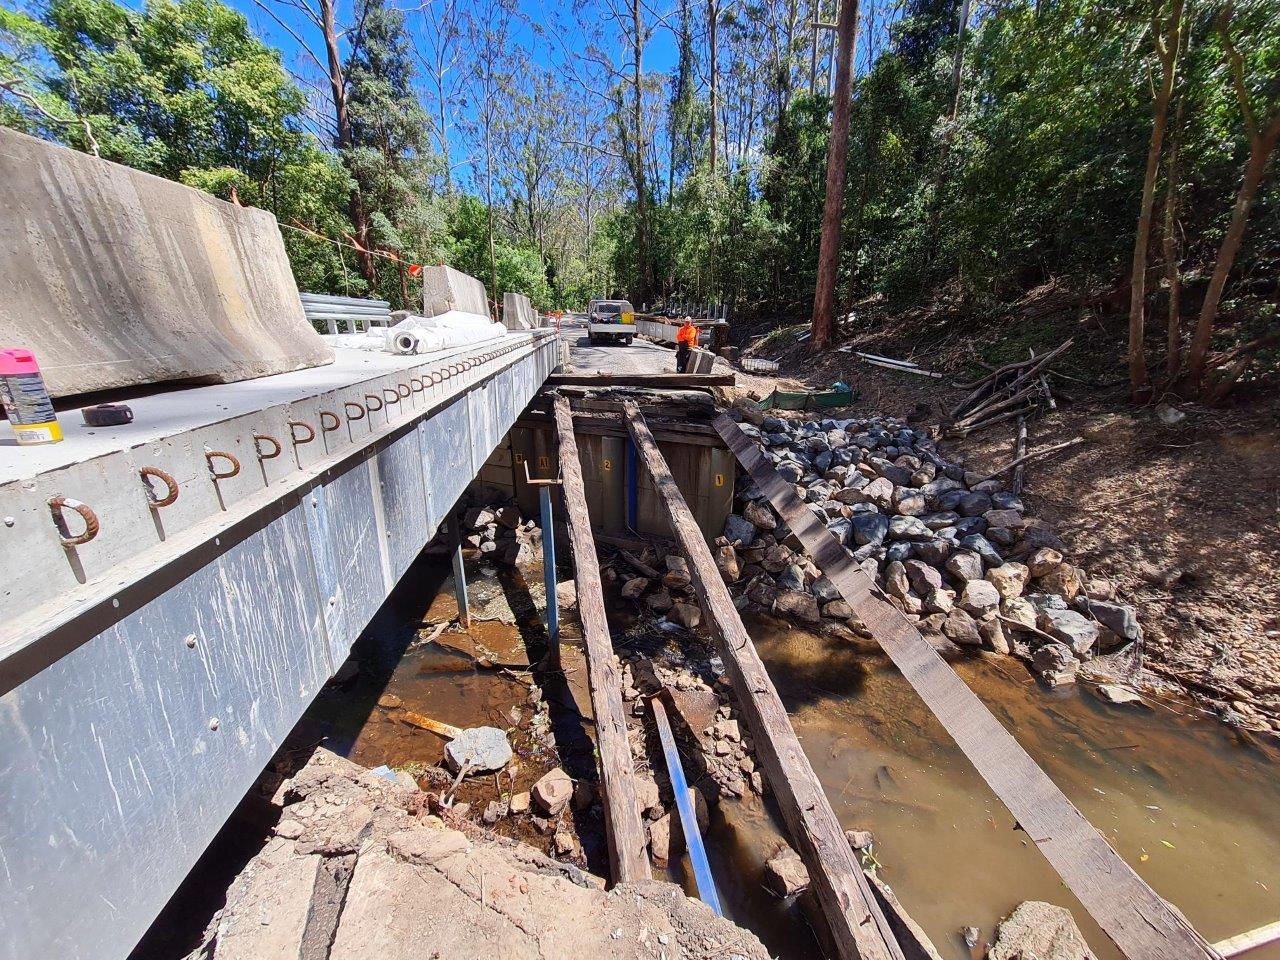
<point>1034,631</point>
<point>1034,455</point>
<point>994,406</point>
<point>640,566</point>
<point>1019,450</point>
<point>998,418</point>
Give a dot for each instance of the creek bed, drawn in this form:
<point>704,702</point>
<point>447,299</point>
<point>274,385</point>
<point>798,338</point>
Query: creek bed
<point>1190,804</point>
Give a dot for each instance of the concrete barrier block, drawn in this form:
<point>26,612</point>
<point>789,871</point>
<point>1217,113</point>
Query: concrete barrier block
<point>445,289</point>
<point>518,312</point>
<point>117,278</point>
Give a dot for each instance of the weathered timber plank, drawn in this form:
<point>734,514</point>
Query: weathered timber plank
<point>670,381</point>
<point>628,858</point>
<point>859,928</point>
<point>1133,915</point>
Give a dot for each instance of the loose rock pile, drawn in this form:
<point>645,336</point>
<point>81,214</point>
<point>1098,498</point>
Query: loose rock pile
<point>955,552</point>
<point>502,534</point>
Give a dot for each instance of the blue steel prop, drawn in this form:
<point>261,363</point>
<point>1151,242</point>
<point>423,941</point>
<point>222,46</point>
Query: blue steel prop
<point>702,878</point>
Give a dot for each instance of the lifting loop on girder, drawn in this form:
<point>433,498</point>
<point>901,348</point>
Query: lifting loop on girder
<point>211,455</point>
<point>325,424</point>
<point>391,394</point>
<point>359,410</point>
<point>403,390</point>
<point>296,425</point>
<point>154,502</point>
<point>59,503</point>
<point>259,439</point>
<point>370,399</point>
<point>416,385</point>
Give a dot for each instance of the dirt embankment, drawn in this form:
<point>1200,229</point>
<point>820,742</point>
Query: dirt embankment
<point>1183,517</point>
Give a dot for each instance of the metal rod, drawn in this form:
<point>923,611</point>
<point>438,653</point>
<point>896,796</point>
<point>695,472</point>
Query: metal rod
<point>549,566</point>
<point>702,878</point>
<point>459,571</point>
<point>633,484</point>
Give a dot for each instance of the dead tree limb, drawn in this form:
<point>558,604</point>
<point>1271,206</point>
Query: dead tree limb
<point>1034,455</point>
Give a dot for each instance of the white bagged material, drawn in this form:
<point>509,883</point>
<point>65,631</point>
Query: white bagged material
<point>418,335</point>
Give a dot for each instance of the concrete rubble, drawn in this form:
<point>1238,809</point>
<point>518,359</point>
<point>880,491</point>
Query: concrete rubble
<point>956,553</point>
<point>358,868</point>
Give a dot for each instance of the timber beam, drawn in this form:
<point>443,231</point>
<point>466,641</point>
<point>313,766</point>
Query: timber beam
<point>1138,921</point>
<point>628,857</point>
<point>662,381</point>
<point>858,926</point>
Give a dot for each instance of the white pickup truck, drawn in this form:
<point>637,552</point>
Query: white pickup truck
<point>610,320</point>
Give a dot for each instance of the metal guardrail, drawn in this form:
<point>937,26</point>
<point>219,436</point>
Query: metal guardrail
<point>356,313</point>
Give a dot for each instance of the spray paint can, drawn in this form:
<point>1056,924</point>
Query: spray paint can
<point>26,401</point>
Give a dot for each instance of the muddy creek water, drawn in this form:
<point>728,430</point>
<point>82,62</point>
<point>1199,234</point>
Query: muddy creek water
<point>1188,803</point>
<point>1191,806</point>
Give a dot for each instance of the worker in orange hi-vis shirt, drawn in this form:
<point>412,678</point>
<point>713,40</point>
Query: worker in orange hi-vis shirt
<point>686,340</point>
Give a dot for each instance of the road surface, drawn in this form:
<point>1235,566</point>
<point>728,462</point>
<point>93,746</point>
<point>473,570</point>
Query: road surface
<point>641,357</point>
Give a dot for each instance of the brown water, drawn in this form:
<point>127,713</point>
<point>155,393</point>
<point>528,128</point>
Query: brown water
<point>1190,805</point>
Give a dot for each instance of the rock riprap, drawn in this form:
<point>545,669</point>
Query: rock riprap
<point>956,553</point>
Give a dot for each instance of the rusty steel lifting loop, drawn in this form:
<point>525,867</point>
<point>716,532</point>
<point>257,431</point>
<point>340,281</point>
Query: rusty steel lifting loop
<point>259,438</point>
<point>436,377</point>
<point>392,395</point>
<point>211,455</point>
<point>403,389</point>
<point>154,502</point>
<point>370,398</point>
<point>416,385</point>
<point>324,424</point>
<point>91,526</point>
<point>359,413</point>
<point>296,425</point>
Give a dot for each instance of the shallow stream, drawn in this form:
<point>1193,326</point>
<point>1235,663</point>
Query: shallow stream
<point>1189,804</point>
<point>1192,806</point>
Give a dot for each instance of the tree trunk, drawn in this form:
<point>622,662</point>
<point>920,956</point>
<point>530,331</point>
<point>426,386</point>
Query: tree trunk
<point>1169,250</point>
<point>1260,149</point>
<point>957,66</point>
<point>645,272</point>
<point>1167,49</point>
<point>816,8</point>
<point>338,88</point>
<point>837,156</point>
<point>713,17</point>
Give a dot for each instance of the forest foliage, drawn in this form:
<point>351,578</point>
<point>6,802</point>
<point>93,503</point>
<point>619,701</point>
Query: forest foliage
<point>985,158</point>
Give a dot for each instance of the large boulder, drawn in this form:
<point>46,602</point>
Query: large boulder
<point>481,749</point>
<point>1040,930</point>
<point>802,606</point>
<point>1055,664</point>
<point>1075,630</point>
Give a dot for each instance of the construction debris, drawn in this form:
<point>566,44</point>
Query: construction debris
<point>358,861</point>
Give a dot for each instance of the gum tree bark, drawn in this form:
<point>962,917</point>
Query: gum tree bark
<point>837,158</point>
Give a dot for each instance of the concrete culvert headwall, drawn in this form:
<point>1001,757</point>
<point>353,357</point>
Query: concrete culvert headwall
<point>116,277</point>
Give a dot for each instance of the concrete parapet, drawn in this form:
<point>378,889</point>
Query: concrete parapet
<point>518,312</point>
<point>445,289</point>
<point>115,277</point>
